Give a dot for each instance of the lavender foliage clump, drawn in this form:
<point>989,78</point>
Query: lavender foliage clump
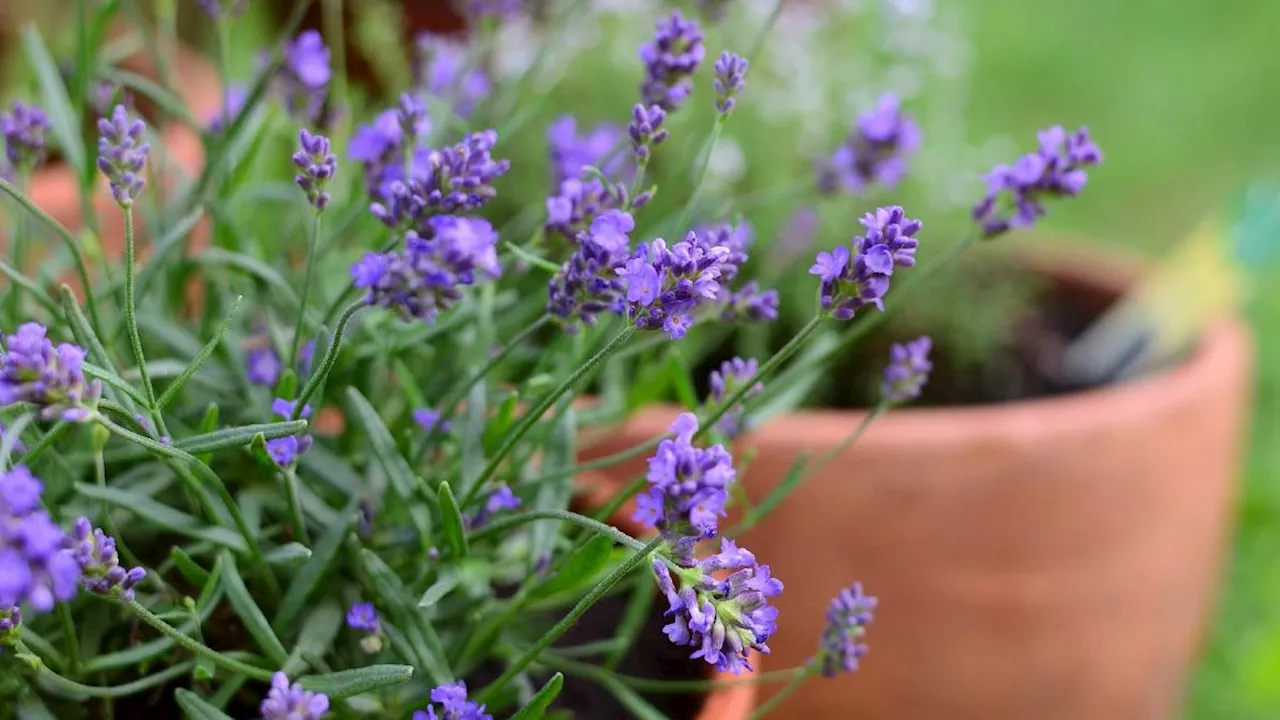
<point>95,553</point>
<point>427,276</point>
<point>284,451</point>
<point>35,566</point>
<point>725,381</point>
<point>303,81</point>
<point>588,282</point>
<point>285,701</point>
<point>847,617</point>
<point>454,705</point>
<point>908,370</point>
<point>51,378</point>
<point>876,152</point>
<point>730,80</point>
<point>23,129</point>
<point>670,60</point>
<point>1016,194</point>
<point>860,276</point>
<point>122,156</point>
<point>316,168</point>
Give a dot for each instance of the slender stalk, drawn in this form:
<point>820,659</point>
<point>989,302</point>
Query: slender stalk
<point>531,418</point>
<point>558,661</point>
<point>44,649</point>
<point>306,291</point>
<point>196,647</point>
<point>568,621</point>
<point>703,164</point>
<point>224,69</point>
<point>19,256</point>
<point>334,32</point>
<point>295,507</point>
<point>44,443</point>
<point>131,322</point>
<point>73,688</point>
<point>497,528</point>
<point>326,365</point>
<point>763,35</point>
<point>73,245</point>
<point>70,638</point>
<point>801,675</point>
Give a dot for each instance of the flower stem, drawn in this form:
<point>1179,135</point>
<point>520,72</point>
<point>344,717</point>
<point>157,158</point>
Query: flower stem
<point>19,256</point>
<point>70,638</point>
<point>531,418</point>
<point>131,322</point>
<point>621,456</point>
<point>801,674</point>
<point>306,290</point>
<point>496,528</point>
<point>334,32</point>
<point>73,688</point>
<point>649,685</point>
<point>196,647</point>
<point>568,621</point>
<point>295,507</point>
<point>326,365</point>
<point>704,163</point>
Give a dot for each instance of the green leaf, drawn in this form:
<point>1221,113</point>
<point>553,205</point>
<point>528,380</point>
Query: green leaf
<point>403,481</point>
<point>250,266</point>
<point>501,423</point>
<point>290,556</point>
<point>54,99</point>
<point>165,244</point>
<point>208,425</point>
<point>31,286</point>
<point>408,384</point>
<point>345,683</point>
<point>473,437</point>
<point>250,614</point>
<point>171,104</point>
<point>189,568</point>
<point>629,699</point>
<point>455,532</point>
<point>534,260</point>
<point>115,381</point>
<point>163,516</point>
<point>199,359</point>
<point>561,454</point>
<point>580,568</point>
<point>240,436</point>
<point>85,336</point>
<point>680,375</point>
<point>196,708</point>
<point>536,709</point>
<point>444,584</point>
<point>316,638</point>
<point>322,555</point>
<point>417,628</point>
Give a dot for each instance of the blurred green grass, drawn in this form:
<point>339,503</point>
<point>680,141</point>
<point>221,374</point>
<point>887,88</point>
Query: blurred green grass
<point>1182,95</point>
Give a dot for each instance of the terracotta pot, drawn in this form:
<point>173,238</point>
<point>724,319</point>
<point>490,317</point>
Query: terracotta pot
<point>734,702</point>
<point>1052,559</point>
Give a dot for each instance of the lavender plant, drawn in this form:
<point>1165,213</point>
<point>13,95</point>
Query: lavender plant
<point>341,481</point>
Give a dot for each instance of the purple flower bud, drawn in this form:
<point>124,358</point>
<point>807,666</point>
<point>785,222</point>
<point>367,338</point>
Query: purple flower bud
<point>444,72</point>
<point>291,702</point>
<point>23,129</point>
<point>847,618</point>
<point>431,420</point>
<point>875,152</point>
<point>316,167</point>
<point>852,280</point>
<point>646,129</point>
<point>284,451</point>
<point>670,60</point>
<point>908,370</point>
<point>35,565</point>
<point>499,500</point>
<point>122,156</point>
<point>223,9</point>
<point>571,153</point>
<point>95,552</point>
<point>1015,195</point>
<point>33,370</point>
<point>10,626</point>
<point>730,79</point>
<point>303,81</point>
<point>727,380</point>
<point>364,616</point>
<point>454,705</point>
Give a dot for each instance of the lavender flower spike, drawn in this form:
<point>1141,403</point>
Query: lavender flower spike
<point>316,167</point>
<point>876,151</point>
<point>847,618</point>
<point>100,569</point>
<point>670,59</point>
<point>731,79</point>
<point>688,487</point>
<point>33,370</point>
<point>587,283</point>
<point>23,129</point>
<point>725,381</point>
<point>1055,170</point>
<point>664,285</point>
<point>908,370</point>
<point>122,155</point>
<point>291,702</point>
<point>646,129</point>
<point>454,705</point>
<point>857,277</point>
<point>35,567</point>
<point>304,78</point>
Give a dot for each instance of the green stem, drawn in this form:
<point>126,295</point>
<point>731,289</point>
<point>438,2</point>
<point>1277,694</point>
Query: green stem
<point>532,417</point>
<point>70,638</point>
<point>295,507</point>
<point>619,457</point>
<point>763,35</point>
<point>196,647</point>
<point>704,163</point>
<point>224,69</point>
<point>559,662</point>
<point>73,245</point>
<point>568,621</point>
<point>334,33</point>
<point>73,688</point>
<point>306,291</point>
<point>617,501</point>
<point>44,443</point>
<point>497,528</point>
<point>801,675</point>
<point>19,255</point>
<point>131,322</point>
<point>45,649</point>
<point>326,365</point>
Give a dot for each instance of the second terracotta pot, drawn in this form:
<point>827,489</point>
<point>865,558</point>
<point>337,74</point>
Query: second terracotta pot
<point>1053,559</point>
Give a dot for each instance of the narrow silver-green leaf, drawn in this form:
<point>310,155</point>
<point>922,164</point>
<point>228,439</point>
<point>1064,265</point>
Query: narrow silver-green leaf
<point>317,636</point>
<point>86,337</point>
<point>454,526</point>
<point>240,436</point>
<point>56,102</point>
<point>580,568</point>
<point>295,598</point>
<point>290,555</point>
<point>31,286</point>
<point>199,359</point>
<point>629,699</point>
<point>189,568</point>
<point>345,683</point>
<point>560,454</point>
<point>448,580</point>
<point>250,266</point>
<point>403,480</point>
<point>250,614</point>
<point>537,706</point>
<point>163,516</point>
<point>115,381</point>
<point>473,437</point>
<point>417,628</point>
<point>196,708</point>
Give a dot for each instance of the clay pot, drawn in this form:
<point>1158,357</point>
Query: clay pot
<point>1052,558</point>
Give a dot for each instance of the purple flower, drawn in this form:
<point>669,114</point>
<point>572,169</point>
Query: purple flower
<point>431,420</point>
<point>454,705</point>
<point>233,104</point>
<point>306,355</point>
<point>750,304</point>
<point>588,283</point>
<point>264,366</point>
<point>908,370</point>
<point>304,77</point>
<point>664,285</point>
<point>852,280</point>
<point>499,500</point>
<point>453,180</point>
<point>35,566</point>
<point>670,60</point>
<point>426,277</point>
<point>284,451</point>
<point>646,129</point>
<point>95,553</point>
<point>875,152</point>
<point>723,620</point>
<point>316,167</point>
<point>291,702</point>
<point>1015,195</point>
<point>384,148</point>
<point>122,155</point>
<point>727,380</point>
<point>219,9</point>
<point>847,618</point>
<point>571,152</point>
<point>580,202</point>
<point>106,95</point>
<point>730,79</point>
<point>443,72</point>
<point>33,370</point>
<point>23,129</point>
<point>688,485</point>
<point>364,616</point>
<point>10,626</point>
